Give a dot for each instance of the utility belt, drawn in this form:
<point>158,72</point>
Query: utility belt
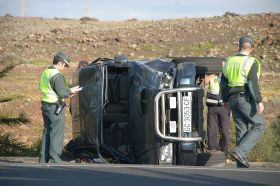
<point>239,94</point>
<point>47,103</point>
<point>214,100</point>
<point>59,106</point>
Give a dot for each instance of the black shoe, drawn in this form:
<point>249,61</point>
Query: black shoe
<point>240,159</point>
<point>240,165</point>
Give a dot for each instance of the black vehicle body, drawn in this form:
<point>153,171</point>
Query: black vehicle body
<point>146,112</point>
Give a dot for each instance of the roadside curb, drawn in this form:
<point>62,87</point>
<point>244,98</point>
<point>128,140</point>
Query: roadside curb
<point>15,159</point>
<point>35,160</point>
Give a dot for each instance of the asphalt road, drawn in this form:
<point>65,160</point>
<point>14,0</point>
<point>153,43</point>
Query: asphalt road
<point>132,175</point>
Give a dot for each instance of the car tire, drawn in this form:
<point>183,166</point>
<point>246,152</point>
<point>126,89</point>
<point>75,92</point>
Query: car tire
<point>187,158</point>
<point>204,65</point>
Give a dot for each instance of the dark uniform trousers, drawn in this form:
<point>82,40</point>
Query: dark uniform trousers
<point>218,118</point>
<point>53,134</point>
<point>249,124</point>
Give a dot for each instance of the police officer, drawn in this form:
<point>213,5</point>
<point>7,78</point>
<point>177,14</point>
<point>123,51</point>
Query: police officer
<point>218,116</point>
<point>53,91</point>
<point>240,87</point>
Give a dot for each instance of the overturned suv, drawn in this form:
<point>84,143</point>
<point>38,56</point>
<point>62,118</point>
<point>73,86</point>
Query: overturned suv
<point>141,111</point>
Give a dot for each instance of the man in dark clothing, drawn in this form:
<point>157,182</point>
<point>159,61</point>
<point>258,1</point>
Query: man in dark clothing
<point>218,115</point>
<point>54,90</point>
<point>240,87</point>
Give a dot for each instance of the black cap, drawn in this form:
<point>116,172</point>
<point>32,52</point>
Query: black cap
<point>63,57</point>
<point>246,39</point>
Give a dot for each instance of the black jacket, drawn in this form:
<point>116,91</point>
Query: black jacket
<point>58,85</point>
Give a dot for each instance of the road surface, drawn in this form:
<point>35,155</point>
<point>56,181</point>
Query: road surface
<point>12,174</point>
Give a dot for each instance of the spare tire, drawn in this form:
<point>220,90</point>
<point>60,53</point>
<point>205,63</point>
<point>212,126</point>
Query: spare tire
<point>204,65</point>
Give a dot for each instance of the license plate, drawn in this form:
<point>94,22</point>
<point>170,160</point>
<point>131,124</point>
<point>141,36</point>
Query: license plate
<point>172,102</point>
<point>187,116</point>
<point>172,127</point>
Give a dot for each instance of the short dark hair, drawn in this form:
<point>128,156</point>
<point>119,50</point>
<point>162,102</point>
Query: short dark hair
<point>60,56</point>
<point>57,59</point>
<point>245,42</point>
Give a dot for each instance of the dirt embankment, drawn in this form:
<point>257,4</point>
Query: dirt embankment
<point>36,40</point>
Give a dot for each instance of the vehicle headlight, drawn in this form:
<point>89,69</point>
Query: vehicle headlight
<point>185,74</point>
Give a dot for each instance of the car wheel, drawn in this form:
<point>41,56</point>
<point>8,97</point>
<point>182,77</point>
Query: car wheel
<point>187,158</point>
<point>204,65</point>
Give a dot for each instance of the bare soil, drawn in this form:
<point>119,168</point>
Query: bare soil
<point>36,40</point>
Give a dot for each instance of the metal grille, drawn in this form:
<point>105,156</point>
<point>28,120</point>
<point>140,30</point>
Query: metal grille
<point>183,124</point>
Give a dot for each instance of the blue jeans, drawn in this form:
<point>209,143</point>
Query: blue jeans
<point>249,124</point>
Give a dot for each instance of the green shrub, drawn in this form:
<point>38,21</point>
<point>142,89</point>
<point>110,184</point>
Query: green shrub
<point>11,117</point>
<point>8,98</point>
<point>268,147</point>
<point>10,147</point>
<point>201,46</point>
<point>8,62</point>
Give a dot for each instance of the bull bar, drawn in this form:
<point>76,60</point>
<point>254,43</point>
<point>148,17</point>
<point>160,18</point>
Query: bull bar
<point>161,132</point>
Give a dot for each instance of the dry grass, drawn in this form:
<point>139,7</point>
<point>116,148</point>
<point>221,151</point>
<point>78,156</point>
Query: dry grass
<point>10,116</point>
<point>270,85</point>
<point>10,60</point>
<point>268,147</point>
<point>10,147</point>
<point>19,96</point>
<point>8,98</point>
<point>20,114</point>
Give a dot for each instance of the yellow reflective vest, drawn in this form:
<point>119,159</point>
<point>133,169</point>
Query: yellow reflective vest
<point>236,69</point>
<point>47,93</point>
<point>214,86</point>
